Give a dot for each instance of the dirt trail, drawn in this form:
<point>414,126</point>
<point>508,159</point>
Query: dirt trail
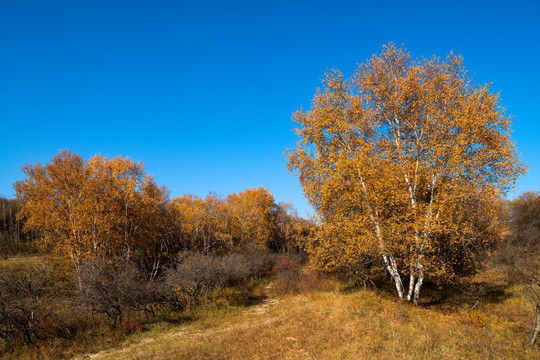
<point>256,310</point>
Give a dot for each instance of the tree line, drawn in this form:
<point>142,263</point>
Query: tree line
<point>13,238</point>
<point>519,254</point>
<point>109,208</point>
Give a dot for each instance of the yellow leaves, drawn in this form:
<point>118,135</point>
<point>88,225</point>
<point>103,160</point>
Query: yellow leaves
<point>102,207</point>
<point>202,223</point>
<point>405,157</point>
<point>214,223</point>
<point>250,217</point>
<point>251,212</point>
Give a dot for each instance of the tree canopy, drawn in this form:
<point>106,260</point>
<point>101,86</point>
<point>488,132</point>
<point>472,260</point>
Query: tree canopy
<point>102,207</point>
<point>406,161</point>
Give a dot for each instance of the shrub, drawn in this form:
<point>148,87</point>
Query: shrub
<point>247,263</point>
<point>69,323</point>
<point>192,276</point>
<point>288,276</point>
<point>115,291</point>
<point>195,275</point>
<point>23,296</point>
<point>293,278</point>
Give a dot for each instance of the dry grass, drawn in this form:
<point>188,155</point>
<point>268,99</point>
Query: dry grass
<point>323,322</point>
<point>15,262</point>
<point>334,325</point>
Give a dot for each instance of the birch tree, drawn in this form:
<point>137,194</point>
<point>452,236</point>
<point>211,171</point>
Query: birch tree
<point>251,212</point>
<point>407,161</point>
<point>55,201</point>
<point>107,208</point>
<point>203,223</point>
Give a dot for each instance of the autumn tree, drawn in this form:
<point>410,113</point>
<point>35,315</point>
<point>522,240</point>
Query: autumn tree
<point>107,208</point>
<point>290,230</point>
<point>406,161</point>
<point>251,213</point>
<point>55,202</point>
<point>203,223</point>
<point>215,224</point>
<point>127,211</point>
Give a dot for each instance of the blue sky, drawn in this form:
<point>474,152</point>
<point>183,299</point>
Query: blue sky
<point>203,92</point>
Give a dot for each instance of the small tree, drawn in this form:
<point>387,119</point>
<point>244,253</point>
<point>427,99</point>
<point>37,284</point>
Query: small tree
<point>407,161</point>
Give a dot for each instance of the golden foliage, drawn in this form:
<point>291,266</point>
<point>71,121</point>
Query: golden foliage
<point>405,160</point>
<point>203,223</point>
<point>104,207</point>
<point>252,215</point>
<point>246,218</point>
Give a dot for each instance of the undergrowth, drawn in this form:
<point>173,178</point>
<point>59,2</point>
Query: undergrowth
<point>300,314</point>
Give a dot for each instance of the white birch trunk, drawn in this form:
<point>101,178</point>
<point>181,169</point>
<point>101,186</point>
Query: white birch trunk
<point>391,266</point>
<point>537,326</point>
<point>412,280</point>
<point>418,284</point>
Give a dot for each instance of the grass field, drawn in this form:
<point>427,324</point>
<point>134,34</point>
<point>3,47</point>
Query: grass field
<point>333,321</point>
<point>336,325</point>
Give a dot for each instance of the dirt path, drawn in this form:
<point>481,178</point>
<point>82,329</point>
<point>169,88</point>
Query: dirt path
<point>256,310</point>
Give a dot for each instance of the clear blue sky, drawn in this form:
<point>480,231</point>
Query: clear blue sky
<point>202,92</point>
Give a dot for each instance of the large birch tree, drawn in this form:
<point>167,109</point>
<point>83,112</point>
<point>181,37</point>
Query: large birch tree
<point>406,161</point>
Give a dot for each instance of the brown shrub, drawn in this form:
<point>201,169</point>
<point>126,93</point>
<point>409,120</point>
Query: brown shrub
<point>70,322</point>
<point>292,278</point>
<point>115,291</point>
<point>246,264</point>
<point>195,275</point>
<point>131,326</point>
<point>23,297</point>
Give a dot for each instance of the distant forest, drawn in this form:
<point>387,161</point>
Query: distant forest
<point>13,238</point>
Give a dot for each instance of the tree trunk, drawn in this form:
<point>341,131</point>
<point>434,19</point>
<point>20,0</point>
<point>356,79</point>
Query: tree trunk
<point>77,270</point>
<point>412,280</point>
<point>537,326</point>
<point>155,268</point>
<point>418,284</point>
<point>391,266</point>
